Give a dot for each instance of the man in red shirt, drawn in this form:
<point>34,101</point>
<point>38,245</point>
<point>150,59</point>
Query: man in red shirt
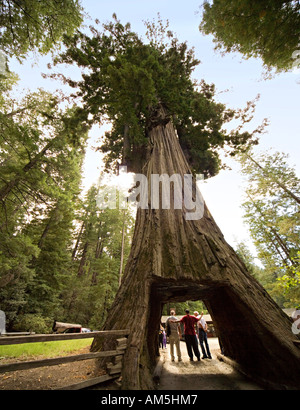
<point>190,334</point>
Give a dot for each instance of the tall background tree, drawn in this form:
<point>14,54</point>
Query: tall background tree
<point>39,26</point>
<point>272,211</point>
<point>93,280</point>
<point>42,149</point>
<point>59,255</point>
<point>41,145</point>
<point>267,29</point>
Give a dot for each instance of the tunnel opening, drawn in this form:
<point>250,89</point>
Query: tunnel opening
<point>165,292</point>
<point>234,323</point>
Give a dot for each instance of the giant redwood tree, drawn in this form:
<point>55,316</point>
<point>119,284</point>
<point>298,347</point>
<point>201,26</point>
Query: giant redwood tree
<point>163,122</point>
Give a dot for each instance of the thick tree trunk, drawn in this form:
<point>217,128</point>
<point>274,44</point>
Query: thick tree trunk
<point>174,260</point>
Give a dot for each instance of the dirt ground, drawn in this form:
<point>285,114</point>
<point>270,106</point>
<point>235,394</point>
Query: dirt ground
<point>50,378</point>
<point>204,375</point>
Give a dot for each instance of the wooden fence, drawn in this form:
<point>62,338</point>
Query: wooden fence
<point>113,368</point>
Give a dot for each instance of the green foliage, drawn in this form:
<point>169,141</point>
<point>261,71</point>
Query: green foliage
<point>266,275</point>
<point>180,308</point>
<point>93,281</point>
<point>41,151</point>
<point>289,284</point>
<point>33,25</point>
<point>60,255</point>
<point>272,214</point>
<point>33,323</point>
<point>15,258</point>
<point>49,269</point>
<point>249,260</point>
<point>125,78</point>
<point>267,29</point>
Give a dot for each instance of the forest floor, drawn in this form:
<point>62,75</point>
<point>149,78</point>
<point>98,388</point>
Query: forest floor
<point>51,377</point>
<point>204,375</point>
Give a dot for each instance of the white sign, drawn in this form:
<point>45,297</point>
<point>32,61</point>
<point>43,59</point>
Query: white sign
<point>2,323</point>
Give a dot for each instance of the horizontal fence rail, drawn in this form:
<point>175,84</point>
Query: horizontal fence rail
<point>11,340</point>
<point>113,368</point>
<point>33,364</point>
<point>89,383</point>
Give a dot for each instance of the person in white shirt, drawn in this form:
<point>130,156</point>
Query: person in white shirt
<point>174,336</point>
<point>202,334</point>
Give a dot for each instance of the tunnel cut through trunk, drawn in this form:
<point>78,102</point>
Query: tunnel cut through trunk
<point>175,259</point>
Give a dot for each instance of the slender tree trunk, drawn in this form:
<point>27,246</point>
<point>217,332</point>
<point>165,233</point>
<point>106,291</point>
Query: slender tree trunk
<point>173,260</point>
<point>78,241</point>
<point>99,245</point>
<point>126,145</point>
<point>83,259</point>
<point>6,279</point>
<point>122,249</point>
<point>9,186</point>
<point>51,221</point>
<point>98,254</point>
<point>84,252</point>
<point>282,186</point>
<point>271,231</point>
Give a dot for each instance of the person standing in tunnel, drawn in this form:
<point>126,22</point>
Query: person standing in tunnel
<point>190,334</point>
<point>202,334</point>
<point>174,336</point>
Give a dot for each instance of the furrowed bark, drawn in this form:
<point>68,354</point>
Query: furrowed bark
<point>174,260</point>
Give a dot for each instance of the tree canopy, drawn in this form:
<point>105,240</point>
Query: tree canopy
<point>33,25</point>
<point>268,29</point>
<point>125,78</point>
<point>41,153</point>
<point>271,210</point>
<point>60,255</point>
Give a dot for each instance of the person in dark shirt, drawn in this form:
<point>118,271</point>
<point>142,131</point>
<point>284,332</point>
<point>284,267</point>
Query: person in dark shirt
<point>190,334</point>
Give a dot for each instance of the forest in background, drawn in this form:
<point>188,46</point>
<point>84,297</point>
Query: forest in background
<point>60,255</point>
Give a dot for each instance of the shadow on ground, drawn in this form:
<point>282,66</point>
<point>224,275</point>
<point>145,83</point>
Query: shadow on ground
<point>204,375</point>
